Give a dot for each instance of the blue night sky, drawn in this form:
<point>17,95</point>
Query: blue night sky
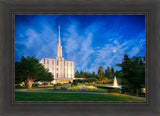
<point>88,40</point>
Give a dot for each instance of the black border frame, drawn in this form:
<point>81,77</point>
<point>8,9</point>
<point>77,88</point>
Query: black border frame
<point>7,7</point>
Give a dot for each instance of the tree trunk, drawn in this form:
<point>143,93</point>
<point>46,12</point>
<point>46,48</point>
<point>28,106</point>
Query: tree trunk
<point>137,93</point>
<point>30,82</point>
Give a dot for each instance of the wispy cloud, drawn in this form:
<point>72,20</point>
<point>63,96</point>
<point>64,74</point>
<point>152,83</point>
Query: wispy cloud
<point>103,41</point>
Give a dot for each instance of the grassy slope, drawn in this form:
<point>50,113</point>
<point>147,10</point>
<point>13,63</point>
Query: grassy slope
<point>30,96</point>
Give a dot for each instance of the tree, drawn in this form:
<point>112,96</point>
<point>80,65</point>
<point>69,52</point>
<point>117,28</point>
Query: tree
<point>81,73</point>
<point>137,72</point>
<point>112,71</point>
<point>108,73</point>
<point>18,76</point>
<point>119,75</point>
<point>104,80</point>
<point>45,75</point>
<point>126,65</point>
<point>100,73</point>
<point>93,74</point>
<point>29,69</point>
<point>77,74</point>
<point>90,80</point>
<point>87,75</point>
<point>133,73</point>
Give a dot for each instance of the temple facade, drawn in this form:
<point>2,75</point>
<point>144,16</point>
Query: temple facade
<point>62,70</point>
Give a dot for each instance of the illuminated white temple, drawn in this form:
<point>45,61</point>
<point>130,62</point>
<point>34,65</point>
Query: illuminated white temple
<point>63,71</point>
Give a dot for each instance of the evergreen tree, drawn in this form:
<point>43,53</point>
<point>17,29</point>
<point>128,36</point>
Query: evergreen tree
<point>133,73</point>
<point>112,71</point>
<point>126,65</point>
<point>93,74</point>
<point>108,73</point>
<point>77,74</point>
<point>87,75</point>
<point>81,73</point>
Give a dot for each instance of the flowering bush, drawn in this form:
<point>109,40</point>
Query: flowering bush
<point>74,89</point>
<point>57,88</point>
<point>83,87</point>
<point>79,87</point>
<point>91,88</point>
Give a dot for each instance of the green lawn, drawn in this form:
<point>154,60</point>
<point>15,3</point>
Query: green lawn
<point>37,96</point>
<point>40,89</point>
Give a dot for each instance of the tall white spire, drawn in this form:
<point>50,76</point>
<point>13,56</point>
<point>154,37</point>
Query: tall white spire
<point>59,47</point>
<point>59,40</point>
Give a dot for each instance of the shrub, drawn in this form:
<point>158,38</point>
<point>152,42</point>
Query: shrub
<point>110,81</point>
<point>90,88</point>
<point>57,88</point>
<point>74,89</point>
<point>105,80</point>
<point>35,85</point>
<point>110,89</point>
<point>65,86</point>
<point>91,80</point>
<point>51,84</point>
<point>125,89</point>
<point>83,87</point>
<point>20,86</point>
<point>45,83</point>
<point>116,90</point>
<point>58,84</point>
<point>75,83</point>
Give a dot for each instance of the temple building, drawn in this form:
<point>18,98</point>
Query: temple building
<point>62,70</point>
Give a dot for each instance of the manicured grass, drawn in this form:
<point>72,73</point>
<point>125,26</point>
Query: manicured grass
<point>37,96</point>
<point>40,89</point>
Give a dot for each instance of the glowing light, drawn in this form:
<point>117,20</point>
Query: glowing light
<point>53,82</point>
<point>69,72</point>
<point>144,90</point>
<point>22,84</point>
<point>40,83</point>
